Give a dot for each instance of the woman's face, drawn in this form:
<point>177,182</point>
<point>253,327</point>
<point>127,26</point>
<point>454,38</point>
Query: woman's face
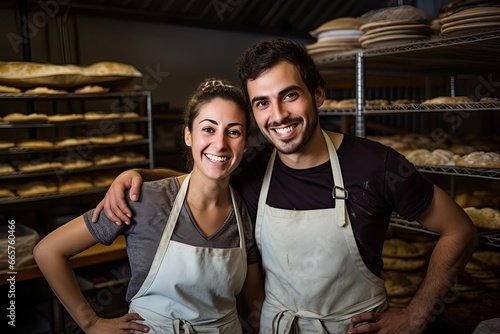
<point>217,139</point>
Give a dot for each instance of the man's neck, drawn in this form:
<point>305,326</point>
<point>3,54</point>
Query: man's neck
<point>314,153</point>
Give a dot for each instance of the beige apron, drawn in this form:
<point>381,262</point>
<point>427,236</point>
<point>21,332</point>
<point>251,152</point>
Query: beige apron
<point>315,278</point>
<point>192,289</point>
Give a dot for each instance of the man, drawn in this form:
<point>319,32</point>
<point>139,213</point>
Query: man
<point>321,202</point>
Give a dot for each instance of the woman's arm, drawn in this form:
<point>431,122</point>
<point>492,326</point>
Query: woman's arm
<point>253,293</point>
<point>114,204</point>
<point>52,255</point>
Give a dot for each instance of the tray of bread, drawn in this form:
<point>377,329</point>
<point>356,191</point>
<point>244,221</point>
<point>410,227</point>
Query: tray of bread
<point>40,78</point>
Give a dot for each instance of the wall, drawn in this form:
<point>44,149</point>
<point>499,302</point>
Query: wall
<point>172,58</point>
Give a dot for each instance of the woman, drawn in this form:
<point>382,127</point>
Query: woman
<point>198,226</point>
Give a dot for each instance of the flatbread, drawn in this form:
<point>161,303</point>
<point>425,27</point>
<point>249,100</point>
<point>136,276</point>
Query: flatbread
<point>19,117</point>
<point>401,249</point>
<point>6,168</point>
<point>113,138</point>
<point>103,180</point>
<point>65,117</point>
<point>100,160</point>
<point>75,185</point>
<point>72,142</point>
<point>128,136</point>
<point>98,115</point>
<point>448,99</point>
<point>8,89</point>
<point>76,164</point>
<point>36,144</point>
<point>37,188</point>
<point>132,157</point>
<point>92,90</point>
<point>32,74</point>
<point>45,90</point>
<point>479,159</point>
<point>38,166</point>
<point>6,144</point>
<point>6,193</point>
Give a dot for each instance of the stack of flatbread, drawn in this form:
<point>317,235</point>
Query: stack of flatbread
<point>484,266</point>
<point>335,36</point>
<point>470,20</point>
<point>403,264</point>
<point>395,25</point>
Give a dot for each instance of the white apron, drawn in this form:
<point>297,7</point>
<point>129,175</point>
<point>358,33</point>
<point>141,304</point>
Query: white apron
<point>192,289</point>
<point>315,278</point>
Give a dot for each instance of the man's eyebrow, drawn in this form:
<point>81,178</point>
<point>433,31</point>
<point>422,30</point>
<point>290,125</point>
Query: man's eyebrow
<point>281,92</point>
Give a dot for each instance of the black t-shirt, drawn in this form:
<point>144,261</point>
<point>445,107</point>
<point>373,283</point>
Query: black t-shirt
<point>378,179</point>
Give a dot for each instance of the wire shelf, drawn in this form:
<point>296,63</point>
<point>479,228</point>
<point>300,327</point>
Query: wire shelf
<point>490,238</point>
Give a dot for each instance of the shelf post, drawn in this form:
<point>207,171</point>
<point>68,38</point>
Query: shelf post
<point>360,98</point>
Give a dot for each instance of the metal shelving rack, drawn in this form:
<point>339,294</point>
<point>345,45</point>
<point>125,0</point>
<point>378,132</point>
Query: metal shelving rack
<point>141,100</point>
<point>441,54</point>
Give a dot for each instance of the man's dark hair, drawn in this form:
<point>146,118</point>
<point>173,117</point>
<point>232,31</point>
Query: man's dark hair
<point>266,54</point>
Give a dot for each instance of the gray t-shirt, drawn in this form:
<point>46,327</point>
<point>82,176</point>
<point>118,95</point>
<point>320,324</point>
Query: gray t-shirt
<point>150,216</point>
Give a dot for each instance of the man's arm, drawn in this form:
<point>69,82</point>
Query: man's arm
<point>458,239</point>
<point>113,203</point>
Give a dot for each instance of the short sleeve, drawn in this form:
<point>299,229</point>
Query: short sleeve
<point>104,231</point>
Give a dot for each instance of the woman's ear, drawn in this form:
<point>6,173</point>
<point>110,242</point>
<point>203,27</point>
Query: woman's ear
<point>187,137</point>
<point>319,96</point>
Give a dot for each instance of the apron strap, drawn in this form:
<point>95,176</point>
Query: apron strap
<point>291,324</point>
<point>186,326</point>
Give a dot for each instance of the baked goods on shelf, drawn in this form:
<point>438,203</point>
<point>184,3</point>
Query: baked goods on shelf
<point>107,159</point>
<point>400,255</point>
<point>36,188</point>
<point>45,90</point>
<point>113,138</point>
<point>478,199</point>
<point>484,218</point>
<point>6,144</point>
<point>36,144</point>
<point>38,166</point>
<point>76,164</point>
<point>337,35</point>
<point>98,115</point>
<point>6,168</point>
<point>19,117</point>
<point>484,266</point>
<point>132,157</point>
<point>92,89</point>
<point>448,99</point>
<point>67,142</point>
<point>399,248</point>
<point>436,157</point>
<point>32,74</point>
<point>5,192</point>
<point>401,286</point>
<point>479,160</point>
<point>129,136</point>
<point>471,19</point>
<point>8,89</point>
<point>129,114</point>
<point>65,117</point>
<point>75,185</point>
<point>103,180</point>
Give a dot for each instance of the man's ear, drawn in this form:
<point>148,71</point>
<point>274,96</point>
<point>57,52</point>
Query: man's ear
<point>319,95</point>
<point>187,137</point>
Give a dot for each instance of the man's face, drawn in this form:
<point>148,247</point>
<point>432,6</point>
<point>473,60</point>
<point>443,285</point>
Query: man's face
<point>283,108</point>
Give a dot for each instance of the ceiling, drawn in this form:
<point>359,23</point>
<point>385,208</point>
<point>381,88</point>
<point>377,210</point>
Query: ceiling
<point>293,18</point>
